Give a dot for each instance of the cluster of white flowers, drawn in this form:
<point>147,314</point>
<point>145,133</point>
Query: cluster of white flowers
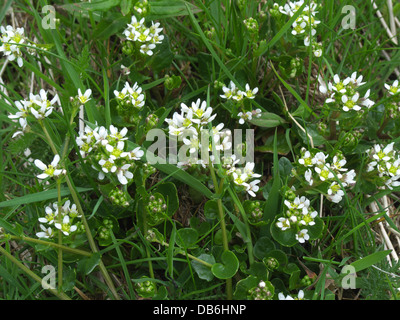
<point>233,93</point>
<point>130,96</point>
<point>148,37</point>
<point>299,215</point>
<point>344,92</point>
<point>317,168</point>
<point>68,213</point>
<point>11,40</point>
<point>190,125</point>
<point>386,163</point>
<point>53,170</point>
<point>108,150</point>
<point>37,105</point>
<point>300,296</point>
<point>305,24</point>
<point>242,176</point>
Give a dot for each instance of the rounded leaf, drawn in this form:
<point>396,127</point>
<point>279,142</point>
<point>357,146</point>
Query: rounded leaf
<point>229,266</point>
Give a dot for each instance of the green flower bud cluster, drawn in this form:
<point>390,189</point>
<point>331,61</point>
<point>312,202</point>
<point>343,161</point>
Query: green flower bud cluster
<point>256,213</point>
<point>274,11</point>
<point>119,197</point>
<point>352,138</point>
<point>210,34</point>
<point>306,281</point>
<point>271,263</point>
<point>392,110</point>
<point>142,7</point>
<point>251,25</point>
<point>263,291</point>
<point>290,194</point>
<point>148,170</point>
<point>145,289</point>
<point>128,48</point>
<point>156,209</point>
<point>104,231</point>
<point>322,128</point>
<point>295,66</point>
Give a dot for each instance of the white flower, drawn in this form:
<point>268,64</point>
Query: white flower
<point>250,93</point>
<point>252,187</point>
<point>283,224</point>
<point>66,226</point>
<point>51,170</point>
<point>394,88</point>
<point>281,296</point>
<point>147,48</point>
<point>245,116</point>
<point>83,98</point>
<point>308,176</point>
<point>302,236</point>
<point>230,91</point>
<point>124,174</point>
<point>108,165</point>
<point>45,233</point>
<point>135,154</point>
<point>351,104</point>
<point>50,215</point>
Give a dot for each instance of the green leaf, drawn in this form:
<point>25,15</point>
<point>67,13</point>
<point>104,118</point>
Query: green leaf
<point>228,268</point>
<point>285,167</point>
<point>315,231</point>
<point>286,238</point>
<point>243,286</point>
<point>164,56</point>
<point>87,265</point>
<point>94,5</point>
<point>39,196</point>
<point>271,208</point>
<point>203,271</point>
<point>162,9</point>
<point>368,261</point>
<point>211,209</point>
<point>262,247</point>
<point>267,120</point>
<point>294,272</point>
<point>187,237</point>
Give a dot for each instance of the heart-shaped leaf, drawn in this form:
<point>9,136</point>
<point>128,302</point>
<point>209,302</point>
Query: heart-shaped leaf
<point>229,266</point>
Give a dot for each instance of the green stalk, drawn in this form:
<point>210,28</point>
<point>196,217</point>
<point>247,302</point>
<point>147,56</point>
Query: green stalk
<point>52,244</point>
<point>60,235</point>
<point>221,215</point>
<point>20,265</point>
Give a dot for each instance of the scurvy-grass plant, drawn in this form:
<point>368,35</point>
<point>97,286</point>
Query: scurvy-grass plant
<point>199,150</point>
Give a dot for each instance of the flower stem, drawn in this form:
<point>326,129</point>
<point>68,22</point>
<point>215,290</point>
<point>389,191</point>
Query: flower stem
<point>52,244</point>
<point>221,215</point>
<point>60,236</point>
